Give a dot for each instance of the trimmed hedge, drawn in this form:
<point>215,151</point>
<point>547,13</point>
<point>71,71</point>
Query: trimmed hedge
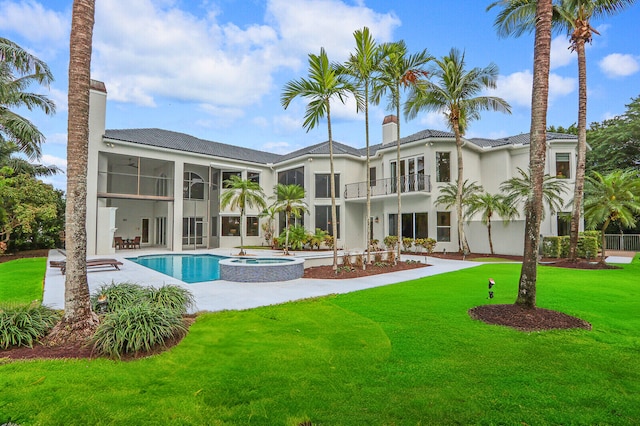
<point>557,247</point>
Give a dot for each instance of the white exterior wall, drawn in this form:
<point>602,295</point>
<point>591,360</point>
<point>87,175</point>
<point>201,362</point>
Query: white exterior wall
<point>97,117</point>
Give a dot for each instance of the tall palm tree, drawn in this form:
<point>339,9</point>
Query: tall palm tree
<point>22,166</point>
<point>611,198</point>
<point>363,66</point>
<point>289,199</point>
<point>519,190</point>
<point>78,321</point>
<point>572,16</point>
<point>18,71</point>
<point>323,84</point>
<point>487,205</point>
<point>398,70</point>
<point>242,194</point>
<point>449,197</point>
<point>456,94</point>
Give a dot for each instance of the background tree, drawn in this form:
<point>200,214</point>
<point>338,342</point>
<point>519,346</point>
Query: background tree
<point>615,143</point>
<point>362,66</point>
<point>24,203</point>
<point>455,93</point>
<point>614,197</point>
<point>78,321</point>
<point>289,199</point>
<point>487,205</point>
<point>20,165</point>
<point>572,16</point>
<point>241,193</point>
<point>323,84</point>
<point>18,71</point>
<point>398,70</point>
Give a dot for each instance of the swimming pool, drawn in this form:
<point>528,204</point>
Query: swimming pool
<point>190,268</point>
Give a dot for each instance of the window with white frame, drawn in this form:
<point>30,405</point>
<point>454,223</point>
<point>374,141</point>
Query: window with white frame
<point>413,225</point>
<point>226,176</point>
<point>230,226</point>
<point>193,186</point>
<point>323,185</point>
<point>443,167</point>
<point>323,219</point>
<point>443,226</point>
<point>563,165</point>
<point>253,230</point>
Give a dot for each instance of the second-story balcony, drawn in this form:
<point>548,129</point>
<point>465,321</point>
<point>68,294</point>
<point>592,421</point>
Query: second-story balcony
<point>408,184</point>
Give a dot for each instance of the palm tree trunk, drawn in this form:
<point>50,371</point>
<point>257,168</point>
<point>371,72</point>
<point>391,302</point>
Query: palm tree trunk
<point>332,183</point>
<point>287,221</point>
<point>366,131</point>
<point>582,149</point>
<point>78,321</point>
<point>539,101</point>
<point>242,222</point>
<point>398,188</point>
<point>462,241</point>
<point>490,240</point>
<point>603,255</point>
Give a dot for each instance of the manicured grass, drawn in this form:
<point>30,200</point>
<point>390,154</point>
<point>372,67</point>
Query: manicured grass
<point>402,354</point>
<point>21,280</point>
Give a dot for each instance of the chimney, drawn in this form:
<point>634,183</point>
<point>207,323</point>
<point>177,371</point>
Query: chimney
<point>389,129</point>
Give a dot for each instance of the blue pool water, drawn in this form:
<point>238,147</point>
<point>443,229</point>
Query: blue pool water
<point>190,268</point>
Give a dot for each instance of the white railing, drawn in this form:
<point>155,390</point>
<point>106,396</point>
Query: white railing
<point>409,183</point>
<point>624,242</point>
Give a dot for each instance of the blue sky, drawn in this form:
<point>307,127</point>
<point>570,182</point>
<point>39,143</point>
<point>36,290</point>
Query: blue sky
<point>215,69</point>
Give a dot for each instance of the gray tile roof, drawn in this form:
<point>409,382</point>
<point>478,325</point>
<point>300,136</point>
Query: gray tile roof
<point>183,142</point>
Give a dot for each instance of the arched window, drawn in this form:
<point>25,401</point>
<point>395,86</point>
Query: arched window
<point>193,186</point>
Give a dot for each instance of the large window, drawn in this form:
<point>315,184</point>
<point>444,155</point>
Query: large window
<point>253,230</point>
<point>227,175</point>
<point>564,223</point>
<point>411,174</point>
<point>563,165</point>
<point>292,177</point>
<point>293,221</point>
<point>323,185</point>
<point>372,176</point>
<point>323,219</point>
<point>230,226</point>
<point>443,167</point>
<point>192,230</point>
<point>193,186</point>
<point>443,228</point>
<point>254,177</point>
<point>414,225</point>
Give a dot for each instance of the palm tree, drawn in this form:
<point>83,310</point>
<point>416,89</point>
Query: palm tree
<point>572,16</point>
<point>18,70</point>
<point>78,321</point>
<point>362,66</point>
<point>449,197</point>
<point>612,198</point>
<point>456,95</point>
<point>487,204</point>
<point>290,201</point>
<point>398,70</point>
<point>324,84</point>
<point>519,189</point>
<point>22,166</point>
<point>242,194</point>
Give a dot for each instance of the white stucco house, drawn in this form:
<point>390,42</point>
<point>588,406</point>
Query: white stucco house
<point>165,186</point>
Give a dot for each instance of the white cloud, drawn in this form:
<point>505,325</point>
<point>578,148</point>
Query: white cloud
<point>51,160</point>
<point>287,123</point>
<point>561,55</point>
<point>60,98</point>
<point>31,20</point>
<point>434,120</point>
<point>307,25</point>
<point>277,147</point>
<point>516,88</point>
<point>618,65</point>
<point>57,139</point>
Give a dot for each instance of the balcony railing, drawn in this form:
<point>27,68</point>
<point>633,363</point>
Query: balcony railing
<point>408,183</point>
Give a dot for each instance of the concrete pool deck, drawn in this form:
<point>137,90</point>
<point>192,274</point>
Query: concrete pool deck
<point>225,295</point>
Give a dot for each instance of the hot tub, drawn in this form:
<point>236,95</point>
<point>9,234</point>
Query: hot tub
<point>261,269</point>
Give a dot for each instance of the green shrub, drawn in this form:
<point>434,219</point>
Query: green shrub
<point>116,296</point>
<point>595,234</point>
<point>588,246</point>
<point>407,242</point>
<point>137,328</point>
<point>171,297</point>
<point>21,325</point>
<point>390,241</point>
<point>551,247</point>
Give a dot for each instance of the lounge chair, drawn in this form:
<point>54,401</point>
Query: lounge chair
<point>91,263</point>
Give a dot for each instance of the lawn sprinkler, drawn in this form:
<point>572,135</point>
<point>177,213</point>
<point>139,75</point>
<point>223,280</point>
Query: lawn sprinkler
<point>491,284</point>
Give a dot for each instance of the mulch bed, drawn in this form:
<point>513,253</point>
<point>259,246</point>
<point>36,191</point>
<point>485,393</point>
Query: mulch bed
<point>559,263</point>
<point>327,272</point>
<point>523,319</point>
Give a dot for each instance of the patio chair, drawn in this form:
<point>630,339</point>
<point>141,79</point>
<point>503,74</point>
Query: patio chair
<point>136,242</point>
<point>119,242</point>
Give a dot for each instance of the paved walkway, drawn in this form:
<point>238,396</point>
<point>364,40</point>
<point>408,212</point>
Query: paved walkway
<point>223,295</point>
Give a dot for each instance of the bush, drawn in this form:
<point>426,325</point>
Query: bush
<point>556,247</point>
<point>390,241</point>
<point>137,328</point>
<point>595,234</point>
<point>391,257</point>
<point>346,260</point>
<point>407,242</point>
<point>551,247</point>
<point>588,246</point>
<point>137,318</point>
<point>359,261</point>
<point>21,325</point>
<point>377,257</point>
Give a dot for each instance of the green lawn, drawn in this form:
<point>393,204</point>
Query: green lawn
<point>21,280</point>
<point>403,354</point>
